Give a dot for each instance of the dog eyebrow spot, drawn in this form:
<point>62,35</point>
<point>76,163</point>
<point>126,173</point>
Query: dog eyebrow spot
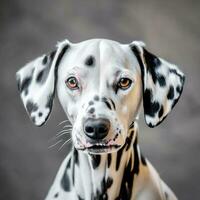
<point>90,61</point>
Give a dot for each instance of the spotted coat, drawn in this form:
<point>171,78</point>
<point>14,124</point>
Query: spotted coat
<point>101,85</point>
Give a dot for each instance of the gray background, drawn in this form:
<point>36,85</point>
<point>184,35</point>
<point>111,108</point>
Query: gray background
<point>30,28</point>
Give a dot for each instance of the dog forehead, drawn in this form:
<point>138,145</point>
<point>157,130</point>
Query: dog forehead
<point>95,55</point>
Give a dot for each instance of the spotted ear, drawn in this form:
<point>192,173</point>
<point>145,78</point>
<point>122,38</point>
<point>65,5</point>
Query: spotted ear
<point>162,84</point>
<point>36,84</point>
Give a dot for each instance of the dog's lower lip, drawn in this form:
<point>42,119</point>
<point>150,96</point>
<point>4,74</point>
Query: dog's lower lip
<point>103,146</point>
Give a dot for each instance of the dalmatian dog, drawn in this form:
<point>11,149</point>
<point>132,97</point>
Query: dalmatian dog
<point>101,85</point>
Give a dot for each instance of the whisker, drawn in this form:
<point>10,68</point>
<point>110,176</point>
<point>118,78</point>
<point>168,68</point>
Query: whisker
<point>68,125</point>
<point>59,141</point>
<point>64,133</point>
<point>65,130</point>
<point>58,135</point>
<point>62,122</point>
<point>64,144</point>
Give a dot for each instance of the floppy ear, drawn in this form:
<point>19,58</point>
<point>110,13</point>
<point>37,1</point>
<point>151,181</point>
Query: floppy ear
<point>162,84</point>
<point>36,83</point>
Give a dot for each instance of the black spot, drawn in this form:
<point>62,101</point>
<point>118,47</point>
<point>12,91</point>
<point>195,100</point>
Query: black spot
<point>39,76</point>
<point>18,82</point>
<point>44,60</point>
<point>174,71</point>
<point>40,114</point>
<point>150,125</point>
<point>76,159</point>
<point>108,105</point>
<point>106,102</point>
<point>60,56</point>
<point>56,195</point>
<point>65,182</point>
<point>115,88</point>
<point>68,164</point>
<point>79,198</point>
<point>152,61</point>
<point>119,155</point>
<point>150,108</point>
<point>161,80</point>
<point>170,94</point>
<point>138,56</point>
<point>128,175</point>
<point>33,119</point>
<point>31,107</point>
<point>96,98</point>
<point>160,114</point>
<point>109,159</point>
<point>109,182</point>
<point>91,110</point>
<point>132,125</point>
<point>136,158</point>
<point>101,194</point>
<point>25,84</point>
<point>143,160</point>
<point>96,160</point>
<point>129,140</point>
<point>50,101</point>
<point>166,195</point>
<point>90,61</point>
<point>52,54</point>
<point>127,182</point>
<point>91,103</point>
<point>113,104</point>
<point>178,89</point>
<point>181,90</point>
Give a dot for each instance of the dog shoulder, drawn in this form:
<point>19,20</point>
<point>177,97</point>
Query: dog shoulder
<point>152,187</point>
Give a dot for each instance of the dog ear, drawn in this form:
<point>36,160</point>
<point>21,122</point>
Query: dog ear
<point>162,84</point>
<point>36,83</point>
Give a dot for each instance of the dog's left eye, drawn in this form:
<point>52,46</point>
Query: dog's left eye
<point>72,83</point>
<point>124,83</point>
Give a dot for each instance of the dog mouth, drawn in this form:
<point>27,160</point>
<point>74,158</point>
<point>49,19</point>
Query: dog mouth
<point>97,147</point>
<point>102,148</point>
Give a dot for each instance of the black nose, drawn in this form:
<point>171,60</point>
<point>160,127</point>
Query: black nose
<point>96,128</point>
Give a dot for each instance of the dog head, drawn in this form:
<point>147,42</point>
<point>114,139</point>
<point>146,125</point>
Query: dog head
<point>100,85</point>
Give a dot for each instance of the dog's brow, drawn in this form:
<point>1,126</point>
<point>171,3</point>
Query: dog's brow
<point>90,61</point>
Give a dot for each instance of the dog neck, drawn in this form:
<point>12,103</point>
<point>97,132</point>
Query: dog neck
<point>101,176</point>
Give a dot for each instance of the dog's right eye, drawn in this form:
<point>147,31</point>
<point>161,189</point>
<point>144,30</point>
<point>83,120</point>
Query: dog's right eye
<point>72,83</point>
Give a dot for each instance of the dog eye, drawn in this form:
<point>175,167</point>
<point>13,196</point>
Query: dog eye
<point>72,83</point>
<point>124,83</point>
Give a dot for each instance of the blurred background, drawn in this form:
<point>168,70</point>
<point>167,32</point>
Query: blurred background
<point>31,28</point>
